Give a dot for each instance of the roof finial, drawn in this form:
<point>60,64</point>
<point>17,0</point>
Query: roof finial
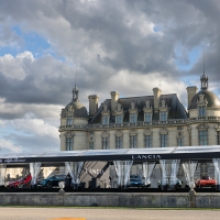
<point>204,78</point>
<point>76,76</point>
<point>75,89</point>
<point>204,62</point>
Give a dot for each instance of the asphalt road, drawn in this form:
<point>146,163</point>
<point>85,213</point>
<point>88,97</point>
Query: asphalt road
<point>105,214</point>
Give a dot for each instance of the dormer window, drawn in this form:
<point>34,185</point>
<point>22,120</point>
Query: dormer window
<point>118,106</point>
<point>132,105</point>
<point>105,107</point>
<point>148,117</point>
<point>147,104</point>
<point>105,119</point>
<point>119,119</point>
<point>163,116</point>
<point>69,120</point>
<point>202,111</point>
<point>163,104</point>
<point>133,117</point>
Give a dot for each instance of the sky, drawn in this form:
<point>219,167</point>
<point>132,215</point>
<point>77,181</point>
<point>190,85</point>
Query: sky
<point>126,46</point>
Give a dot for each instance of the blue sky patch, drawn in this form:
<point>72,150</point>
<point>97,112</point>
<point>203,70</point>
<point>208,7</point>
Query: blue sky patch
<point>32,42</point>
<point>185,60</point>
<point>157,29</point>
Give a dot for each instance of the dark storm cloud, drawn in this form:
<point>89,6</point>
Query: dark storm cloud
<point>127,45</point>
<point>40,85</point>
<point>105,37</point>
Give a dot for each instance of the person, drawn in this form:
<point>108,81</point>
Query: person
<point>110,181</point>
<point>68,181</point>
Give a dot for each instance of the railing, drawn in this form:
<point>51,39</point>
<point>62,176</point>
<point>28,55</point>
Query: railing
<point>204,118</point>
<point>138,124</point>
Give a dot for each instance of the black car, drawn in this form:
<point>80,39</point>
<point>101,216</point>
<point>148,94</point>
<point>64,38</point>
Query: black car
<point>52,181</point>
<point>178,185</point>
<point>136,181</point>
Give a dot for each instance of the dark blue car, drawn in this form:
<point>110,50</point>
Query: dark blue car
<point>136,181</point>
<point>52,181</point>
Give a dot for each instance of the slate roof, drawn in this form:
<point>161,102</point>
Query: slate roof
<point>176,109</point>
<point>213,101</point>
<point>80,110</point>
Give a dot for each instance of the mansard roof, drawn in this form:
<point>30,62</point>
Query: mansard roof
<point>175,108</point>
<point>212,99</point>
<point>77,107</point>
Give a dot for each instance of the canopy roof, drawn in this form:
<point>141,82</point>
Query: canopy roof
<point>137,154</point>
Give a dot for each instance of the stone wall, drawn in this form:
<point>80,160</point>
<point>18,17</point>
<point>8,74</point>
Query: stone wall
<point>145,200</point>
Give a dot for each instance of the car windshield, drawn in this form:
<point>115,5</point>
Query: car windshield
<point>135,177</point>
<point>205,177</point>
<point>60,176</point>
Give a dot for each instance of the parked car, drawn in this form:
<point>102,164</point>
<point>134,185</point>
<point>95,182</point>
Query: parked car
<point>21,182</point>
<point>136,181</point>
<point>205,181</point>
<point>52,181</point>
<point>178,185</point>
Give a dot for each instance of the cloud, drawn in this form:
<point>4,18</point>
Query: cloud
<point>6,146</point>
<point>29,135</point>
<point>35,126</point>
<point>128,46</point>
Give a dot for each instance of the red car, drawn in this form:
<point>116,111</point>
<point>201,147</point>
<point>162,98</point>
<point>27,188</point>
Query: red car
<point>21,182</point>
<point>206,181</point>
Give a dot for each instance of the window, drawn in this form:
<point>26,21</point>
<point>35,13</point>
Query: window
<point>105,120</point>
<point>203,138</point>
<point>148,117</point>
<point>105,143</point>
<point>91,145</point>
<point>148,141</point>
<point>179,141</point>
<point>163,116</point>
<point>133,141</point>
<point>163,140</point>
<point>118,142</point>
<point>69,120</point>
<point>202,111</point>
<point>69,144</point>
<point>133,118</point>
<point>118,119</point>
<point>218,138</point>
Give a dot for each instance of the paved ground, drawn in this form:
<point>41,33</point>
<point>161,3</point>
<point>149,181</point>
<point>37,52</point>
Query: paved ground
<point>105,214</point>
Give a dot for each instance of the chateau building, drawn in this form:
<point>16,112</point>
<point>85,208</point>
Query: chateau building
<point>157,120</point>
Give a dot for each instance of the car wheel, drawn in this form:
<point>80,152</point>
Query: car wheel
<point>49,185</point>
<point>20,186</point>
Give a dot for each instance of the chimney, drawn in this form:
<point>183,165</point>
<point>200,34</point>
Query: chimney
<point>93,105</point>
<point>191,91</point>
<point>157,94</point>
<point>114,100</point>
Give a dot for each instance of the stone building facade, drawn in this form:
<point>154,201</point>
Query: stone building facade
<point>157,120</point>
